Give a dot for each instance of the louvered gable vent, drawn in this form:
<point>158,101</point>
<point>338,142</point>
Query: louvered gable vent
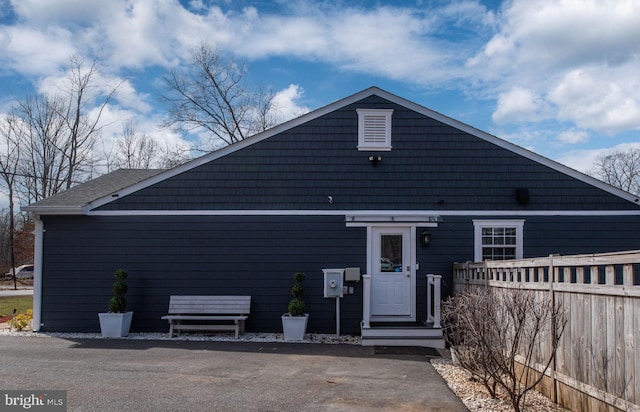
<point>374,129</point>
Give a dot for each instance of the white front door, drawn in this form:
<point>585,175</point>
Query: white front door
<point>392,274</point>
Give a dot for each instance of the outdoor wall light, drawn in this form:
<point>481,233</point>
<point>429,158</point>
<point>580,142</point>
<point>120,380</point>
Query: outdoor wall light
<point>425,237</point>
<point>374,160</point>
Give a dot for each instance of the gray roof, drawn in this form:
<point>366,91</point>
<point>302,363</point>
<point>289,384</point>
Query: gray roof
<point>73,200</point>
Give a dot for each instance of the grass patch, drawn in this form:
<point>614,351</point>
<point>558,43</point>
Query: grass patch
<point>21,303</point>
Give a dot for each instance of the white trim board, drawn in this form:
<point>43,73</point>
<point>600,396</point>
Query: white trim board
<point>413,213</point>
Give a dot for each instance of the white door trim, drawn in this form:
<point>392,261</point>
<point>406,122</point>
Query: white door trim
<point>412,244</point>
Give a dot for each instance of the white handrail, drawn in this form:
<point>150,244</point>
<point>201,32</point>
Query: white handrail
<point>433,299</point>
<point>366,301</point>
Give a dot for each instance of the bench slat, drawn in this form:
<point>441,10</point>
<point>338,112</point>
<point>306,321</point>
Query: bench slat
<point>210,304</point>
<point>203,298</point>
<point>207,308</point>
<point>203,317</point>
<point>204,327</point>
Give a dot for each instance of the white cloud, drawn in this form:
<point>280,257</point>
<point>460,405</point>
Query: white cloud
<point>285,102</point>
<point>541,34</point>
<point>129,97</point>
<point>40,12</point>
<point>517,105</point>
<point>584,160</point>
<point>155,34</point>
<point>399,43</point>
<point>580,57</point>
<point>34,52</point>
<point>573,136</point>
<point>592,99</point>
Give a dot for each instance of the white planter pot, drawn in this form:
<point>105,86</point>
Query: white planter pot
<point>115,325</point>
<point>294,327</point>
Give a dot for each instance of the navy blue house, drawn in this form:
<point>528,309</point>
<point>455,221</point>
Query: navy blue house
<point>362,183</point>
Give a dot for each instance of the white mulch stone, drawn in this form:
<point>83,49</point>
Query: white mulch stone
<point>476,397</point>
<point>220,337</point>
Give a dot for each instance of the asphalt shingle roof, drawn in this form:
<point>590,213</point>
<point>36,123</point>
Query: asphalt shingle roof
<point>82,194</point>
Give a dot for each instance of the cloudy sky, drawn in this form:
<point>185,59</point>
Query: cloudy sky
<point>559,77</point>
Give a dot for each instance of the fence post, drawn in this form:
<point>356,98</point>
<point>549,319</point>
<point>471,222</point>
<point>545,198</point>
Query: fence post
<point>554,381</point>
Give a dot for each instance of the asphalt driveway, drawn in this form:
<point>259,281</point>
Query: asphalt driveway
<point>139,375</point>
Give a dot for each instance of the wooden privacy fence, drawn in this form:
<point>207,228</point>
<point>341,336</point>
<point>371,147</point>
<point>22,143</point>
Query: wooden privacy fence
<point>598,359</point>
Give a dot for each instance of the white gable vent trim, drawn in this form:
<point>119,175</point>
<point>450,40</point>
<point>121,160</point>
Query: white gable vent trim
<point>374,129</point>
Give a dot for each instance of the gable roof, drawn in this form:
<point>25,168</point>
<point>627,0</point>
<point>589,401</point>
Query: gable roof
<point>73,200</point>
<point>59,206</point>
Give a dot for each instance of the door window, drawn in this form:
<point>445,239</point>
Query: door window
<point>391,253</point>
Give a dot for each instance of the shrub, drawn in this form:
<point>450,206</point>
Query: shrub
<point>22,320</point>
<point>118,302</point>
<point>296,305</point>
<point>489,328</point>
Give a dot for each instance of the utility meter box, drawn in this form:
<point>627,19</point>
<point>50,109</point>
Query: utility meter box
<point>333,282</point>
<point>352,275</point>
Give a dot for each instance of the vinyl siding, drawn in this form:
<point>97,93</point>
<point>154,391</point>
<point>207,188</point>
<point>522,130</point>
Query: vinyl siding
<point>195,255</point>
<point>257,256</point>
<point>432,166</point>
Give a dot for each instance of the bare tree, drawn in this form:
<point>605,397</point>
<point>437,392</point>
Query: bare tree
<point>44,142</point>
<point>264,109</point>
<point>211,95</point>
<point>172,156</point>
<point>620,169</point>
<point>59,133</point>
<point>493,331</point>
<point>82,128</point>
<point>10,130</point>
<point>135,150</point>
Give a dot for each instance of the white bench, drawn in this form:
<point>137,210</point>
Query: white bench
<point>207,313</point>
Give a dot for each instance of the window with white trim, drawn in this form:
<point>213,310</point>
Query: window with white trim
<point>498,239</point>
<point>374,129</point>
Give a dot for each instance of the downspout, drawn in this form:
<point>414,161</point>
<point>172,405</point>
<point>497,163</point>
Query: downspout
<point>37,273</point>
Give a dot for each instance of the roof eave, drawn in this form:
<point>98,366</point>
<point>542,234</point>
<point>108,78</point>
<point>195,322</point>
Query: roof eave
<point>54,210</point>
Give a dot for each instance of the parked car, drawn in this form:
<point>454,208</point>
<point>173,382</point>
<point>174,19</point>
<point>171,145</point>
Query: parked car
<point>386,265</point>
<point>22,272</point>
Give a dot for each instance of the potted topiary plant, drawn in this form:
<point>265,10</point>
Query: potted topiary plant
<point>294,323</point>
<point>116,322</point>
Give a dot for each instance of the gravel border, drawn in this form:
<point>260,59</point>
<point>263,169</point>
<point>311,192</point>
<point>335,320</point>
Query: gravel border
<point>475,397</point>
<point>317,338</point>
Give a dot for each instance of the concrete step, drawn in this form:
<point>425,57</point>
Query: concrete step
<point>402,335</point>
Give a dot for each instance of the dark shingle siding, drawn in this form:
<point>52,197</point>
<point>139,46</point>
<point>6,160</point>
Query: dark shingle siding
<point>194,255</point>
<point>257,255</point>
<point>431,166</point>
